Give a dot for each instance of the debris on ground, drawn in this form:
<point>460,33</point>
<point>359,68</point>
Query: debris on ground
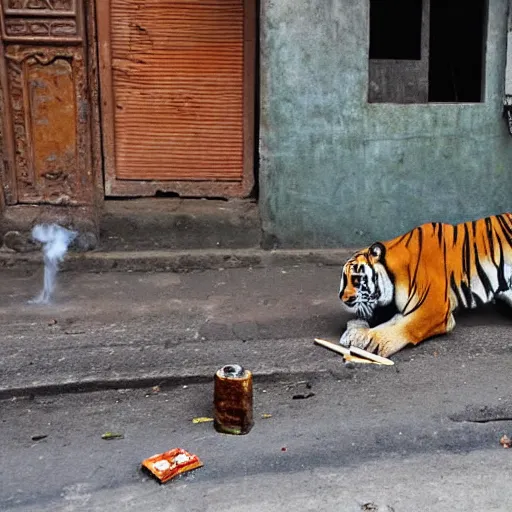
<point>300,383</point>
<point>302,396</point>
<point>112,435</point>
<point>202,419</point>
<point>505,441</point>
<point>372,507</point>
<point>266,416</point>
<point>39,437</point>
<point>155,389</point>
<point>167,465</point>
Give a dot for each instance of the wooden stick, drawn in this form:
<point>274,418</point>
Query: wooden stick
<point>340,349</point>
<point>360,360</point>
<point>369,355</point>
<point>353,351</point>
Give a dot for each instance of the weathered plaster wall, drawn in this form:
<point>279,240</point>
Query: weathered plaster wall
<point>337,171</point>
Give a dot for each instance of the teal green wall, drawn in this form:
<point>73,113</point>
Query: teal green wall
<point>336,171</point>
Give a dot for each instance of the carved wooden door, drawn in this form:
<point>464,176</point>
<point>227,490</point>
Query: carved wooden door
<point>46,129</point>
<point>177,96</point>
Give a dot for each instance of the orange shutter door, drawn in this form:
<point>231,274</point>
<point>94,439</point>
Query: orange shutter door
<point>178,69</point>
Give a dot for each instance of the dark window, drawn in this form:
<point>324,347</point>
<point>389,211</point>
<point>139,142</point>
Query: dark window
<point>427,51</point>
<point>395,29</point>
<point>456,50</point>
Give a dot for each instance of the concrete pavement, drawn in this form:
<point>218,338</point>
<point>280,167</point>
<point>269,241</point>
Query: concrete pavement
<point>165,260</point>
<point>129,329</point>
<point>421,435</point>
<point>424,439</point>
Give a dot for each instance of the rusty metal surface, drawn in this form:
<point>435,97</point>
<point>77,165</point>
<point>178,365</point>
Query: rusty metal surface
<point>48,98</point>
<point>153,95</point>
<point>178,87</point>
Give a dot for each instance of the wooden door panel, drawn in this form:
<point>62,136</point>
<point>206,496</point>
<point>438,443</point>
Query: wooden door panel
<point>47,143</point>
<point>48,104</point>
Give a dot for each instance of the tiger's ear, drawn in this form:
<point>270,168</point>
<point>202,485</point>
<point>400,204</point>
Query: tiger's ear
<point>376,252</point>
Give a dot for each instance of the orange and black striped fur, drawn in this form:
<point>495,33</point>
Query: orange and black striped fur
<point>426,274</point>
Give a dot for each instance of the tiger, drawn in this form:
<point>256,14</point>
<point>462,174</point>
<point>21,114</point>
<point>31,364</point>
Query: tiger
<point>424,276</point>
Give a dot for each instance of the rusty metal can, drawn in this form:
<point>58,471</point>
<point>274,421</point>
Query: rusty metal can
<point>232,400</point>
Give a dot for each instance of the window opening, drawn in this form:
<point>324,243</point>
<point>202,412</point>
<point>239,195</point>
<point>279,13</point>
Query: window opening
<point>395,29</point>
<point>456,50</point>
<point>427,51</point>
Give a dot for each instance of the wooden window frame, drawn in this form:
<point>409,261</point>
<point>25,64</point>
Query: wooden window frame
<point>185,188</point>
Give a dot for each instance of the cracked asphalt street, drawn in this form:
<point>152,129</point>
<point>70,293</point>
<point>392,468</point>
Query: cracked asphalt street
<point>420,436</point>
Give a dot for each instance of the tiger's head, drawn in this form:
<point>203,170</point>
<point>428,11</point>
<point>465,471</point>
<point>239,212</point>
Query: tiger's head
<point>365,283</point>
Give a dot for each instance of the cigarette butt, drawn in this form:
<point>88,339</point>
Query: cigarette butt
<point>368,355</point>
<point>332,346</point>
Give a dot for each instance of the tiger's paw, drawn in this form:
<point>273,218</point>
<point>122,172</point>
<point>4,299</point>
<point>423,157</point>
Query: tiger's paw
<point>356,334</point>
<point>385,348</point>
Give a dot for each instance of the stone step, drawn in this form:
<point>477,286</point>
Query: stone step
<point>145,224</point>
<point>179,224</point>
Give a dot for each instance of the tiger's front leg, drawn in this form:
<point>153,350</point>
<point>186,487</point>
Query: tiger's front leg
<point>390,337</point>
<point>360,335</point>
<point>355,334</point>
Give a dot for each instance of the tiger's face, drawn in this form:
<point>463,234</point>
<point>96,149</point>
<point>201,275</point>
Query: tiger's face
<point>365,283</point>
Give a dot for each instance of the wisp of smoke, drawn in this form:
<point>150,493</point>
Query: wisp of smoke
<point>55,240</point>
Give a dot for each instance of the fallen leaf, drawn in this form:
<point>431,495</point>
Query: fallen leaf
<point>112,435</point>
<point>266,416</point>
<point>202,419</point>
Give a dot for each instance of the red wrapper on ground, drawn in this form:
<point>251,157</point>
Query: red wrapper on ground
<point>172,463</point>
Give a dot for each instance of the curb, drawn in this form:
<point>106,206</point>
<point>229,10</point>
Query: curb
<point>147,381</point>
<point>180,261</point>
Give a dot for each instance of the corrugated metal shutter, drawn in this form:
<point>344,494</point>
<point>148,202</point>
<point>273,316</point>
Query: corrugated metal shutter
<point>178,70</point>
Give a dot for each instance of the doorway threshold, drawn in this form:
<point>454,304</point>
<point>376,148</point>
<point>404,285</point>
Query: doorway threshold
<point>144,224</point>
